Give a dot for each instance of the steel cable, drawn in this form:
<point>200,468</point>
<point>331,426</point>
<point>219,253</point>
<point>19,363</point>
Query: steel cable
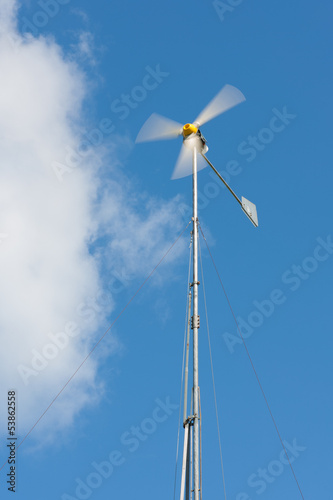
<point>253,368</point>
<point>182,376</point>
<point>212,370</point>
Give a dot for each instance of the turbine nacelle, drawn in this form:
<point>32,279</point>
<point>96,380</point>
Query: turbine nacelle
<point>193,138</point>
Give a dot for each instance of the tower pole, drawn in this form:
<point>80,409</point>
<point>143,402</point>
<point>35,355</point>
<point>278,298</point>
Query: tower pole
<point>195,326</point>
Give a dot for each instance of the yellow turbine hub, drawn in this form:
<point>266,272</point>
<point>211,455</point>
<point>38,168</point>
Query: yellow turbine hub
<point>188,129</point>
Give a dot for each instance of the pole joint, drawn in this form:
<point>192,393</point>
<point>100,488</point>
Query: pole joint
<point>195,321</point>
<point>189,421</point>
<point>194,283</point>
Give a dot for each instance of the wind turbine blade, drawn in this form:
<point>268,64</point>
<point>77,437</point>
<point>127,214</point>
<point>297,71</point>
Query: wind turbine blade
<point>158,127</point>
<point>227,98</point>
<point>183,166</point>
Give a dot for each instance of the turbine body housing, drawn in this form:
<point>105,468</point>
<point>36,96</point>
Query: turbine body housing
<point>192,137</point>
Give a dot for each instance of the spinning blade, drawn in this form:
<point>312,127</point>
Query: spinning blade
<point>227,98</point>
<point>183,166</point>
<point>158,127</point>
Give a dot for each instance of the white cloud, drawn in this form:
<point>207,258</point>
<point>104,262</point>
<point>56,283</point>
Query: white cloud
<point>8,11</point>
<point>49,279</point>
<point>137,238</point>
<point>81,13</point>
<point>46,269</point>
<point>86,46</point>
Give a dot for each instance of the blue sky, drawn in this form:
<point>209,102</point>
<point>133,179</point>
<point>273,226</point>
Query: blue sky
<point>86,214</point>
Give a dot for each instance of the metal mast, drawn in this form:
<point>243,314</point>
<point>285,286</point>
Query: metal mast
<point>195,326</point>
<point>192,424</point>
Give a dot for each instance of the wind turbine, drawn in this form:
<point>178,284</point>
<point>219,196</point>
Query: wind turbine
<point>158,127</point>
